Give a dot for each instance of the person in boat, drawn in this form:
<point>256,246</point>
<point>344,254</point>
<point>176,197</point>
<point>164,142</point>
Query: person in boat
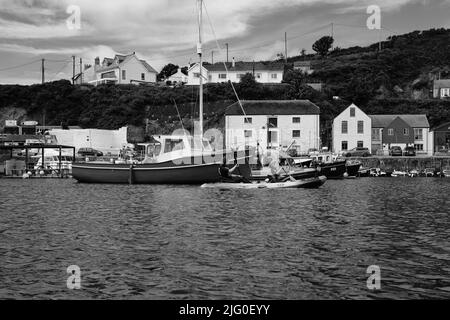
<point>277,172</point>
<point>227,174</point>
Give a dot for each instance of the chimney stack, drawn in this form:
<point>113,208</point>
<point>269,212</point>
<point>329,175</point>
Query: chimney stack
<point>97,63</point>
<point>233,63</point>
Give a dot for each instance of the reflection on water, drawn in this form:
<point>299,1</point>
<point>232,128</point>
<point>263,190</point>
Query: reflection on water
<point>172,242</point>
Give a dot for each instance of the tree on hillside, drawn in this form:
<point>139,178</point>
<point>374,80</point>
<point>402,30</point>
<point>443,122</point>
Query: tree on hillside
<point>323,45</point>
<point>167,71</point>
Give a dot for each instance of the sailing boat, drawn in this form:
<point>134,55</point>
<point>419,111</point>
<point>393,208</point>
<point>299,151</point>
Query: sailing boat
<point>175,159</point>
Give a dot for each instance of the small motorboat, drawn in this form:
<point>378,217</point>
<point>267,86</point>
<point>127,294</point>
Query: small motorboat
<point>446,172</point>
<point>309,183</point>
<point>399,174</point>
<point>429,172</point>
<point>414,173</point>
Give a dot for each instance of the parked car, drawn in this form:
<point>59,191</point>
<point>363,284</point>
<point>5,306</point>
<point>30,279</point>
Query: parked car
<point>409,152</point>
<point>86,152</point>
<point>358,152</point>
<point>443,152</point>
<point>396,152</point>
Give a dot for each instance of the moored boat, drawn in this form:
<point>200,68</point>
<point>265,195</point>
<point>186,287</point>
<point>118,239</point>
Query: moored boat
<point>308,183</point>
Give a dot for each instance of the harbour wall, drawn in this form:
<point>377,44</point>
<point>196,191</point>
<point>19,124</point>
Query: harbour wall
<point>404,163</point>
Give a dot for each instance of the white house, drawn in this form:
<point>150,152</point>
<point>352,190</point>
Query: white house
<point>352,129</point>
<point>216,73</point>
<point>304,66</point>
<point>178,78</point>
<point>122,69</point>
<point>441,88</point>
<point>273,124</point>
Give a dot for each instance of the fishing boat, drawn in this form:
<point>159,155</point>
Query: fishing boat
<point>171,160</point>
<point>309,183</point>
<point>352,168</point>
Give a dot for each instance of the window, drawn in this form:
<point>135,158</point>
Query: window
<point>274,76</point>
<point>273,122</point>
<point>110,74</point>
<point>360,144</point>
<point>296,120</point>
<point>418,134</point>
<point>390,132</point>
<point>124,74</point>
<point>344,145</point>
<point>248,120</point>
<point>296,134</point>
<point>248,133</point>
<point>222,75</point>
<point>173,144</point>
<point>143,76</point>
<point>258,76</point>
<point>344,128</point>
<point>352,112</point>
<point>360,127</point>
<point>406,131</point>
<point>376,134</point>
<point>445,92</point>
<point>240,75</point>
<point>209,77</point>
<point>418,147</point>
<point>196,75</point>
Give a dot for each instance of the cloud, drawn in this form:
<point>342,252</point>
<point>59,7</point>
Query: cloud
<point>165,31</point>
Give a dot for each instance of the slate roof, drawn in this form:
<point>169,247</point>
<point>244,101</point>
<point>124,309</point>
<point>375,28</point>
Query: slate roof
<point>438,84</point>
<point>112,64</point>
<point>302,63</point>
<point>414,120</point>
<point>274,107</point>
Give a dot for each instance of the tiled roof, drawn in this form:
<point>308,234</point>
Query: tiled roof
<point>438,84</point>
<point>414,120</point>
<point>245,66</point>
<point>302,63</point>
<point>121,59</point>
<point>149,67</point>
<point>274,107</point>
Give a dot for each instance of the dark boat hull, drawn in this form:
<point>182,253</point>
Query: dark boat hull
<point>146,173</point>
<point>335,170</point>
<point>353,170</point>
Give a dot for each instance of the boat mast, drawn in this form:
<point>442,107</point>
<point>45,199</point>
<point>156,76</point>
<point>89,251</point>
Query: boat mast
<point>199,52</point>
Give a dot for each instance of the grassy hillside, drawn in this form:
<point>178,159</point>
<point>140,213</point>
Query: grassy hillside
<point>379,82</point>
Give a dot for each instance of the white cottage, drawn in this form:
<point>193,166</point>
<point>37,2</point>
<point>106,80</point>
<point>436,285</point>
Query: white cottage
<point>352,129</point>
<point>273,124</point>
<point>216,73</point>
<point>122,69</point>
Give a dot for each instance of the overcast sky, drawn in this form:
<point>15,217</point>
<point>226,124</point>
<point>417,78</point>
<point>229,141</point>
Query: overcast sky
<point>163,31</point>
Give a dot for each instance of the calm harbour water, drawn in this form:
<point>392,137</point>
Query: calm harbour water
<point>184,242</point>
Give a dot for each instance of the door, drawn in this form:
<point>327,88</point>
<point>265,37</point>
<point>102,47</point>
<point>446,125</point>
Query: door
<point>273,138</point>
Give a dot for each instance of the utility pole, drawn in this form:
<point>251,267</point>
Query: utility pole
<point>379,40</point>
<point>81,70</point>
<point>227,50</point>
<point>212,56</point>
<point>285,47</point>
<point>73,69</point>
<point>332,35</point>
<point>43,71</point>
